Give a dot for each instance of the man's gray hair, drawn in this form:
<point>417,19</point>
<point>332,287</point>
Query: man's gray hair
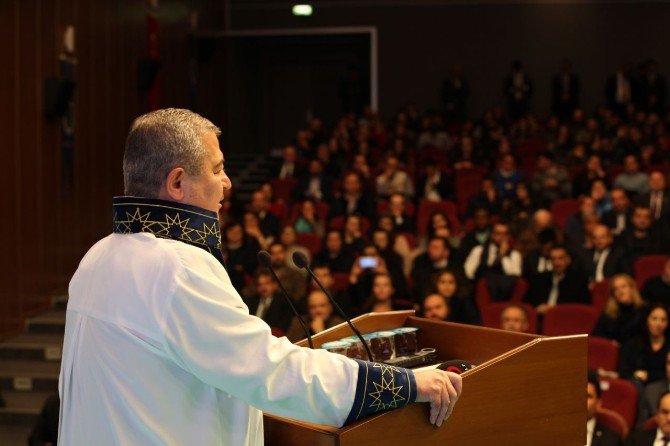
<point>158,142</point>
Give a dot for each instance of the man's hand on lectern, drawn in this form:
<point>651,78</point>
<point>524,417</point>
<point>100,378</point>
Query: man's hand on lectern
<point>441,389</point>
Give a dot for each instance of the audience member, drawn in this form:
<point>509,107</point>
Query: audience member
<point>393,180</point>
<point>252,229</point>
<point>496,262</point>
<point>294,282</point>
<point>452,286</point>
<point>289,167</point>
<point>240,252</point>
<point>315,184</point>
<point>619,90</point>
<point>641,237</point>
<point>518,89</point>
<point>402,221</point>
<point>604,259</point>
<point>486,198</point>
<point>334,254</point>
<point>479,234</point>
<point>660,435</point>
<point>565,91</point>
<point>596,433</point>
<point>426,265</point>
<point>652,394</point>
<point>434,185</point>
<point>435,307</point>
<point>260,205</point>
<point>642,358</point>
<point>307,221</point>
<point>352,199</point>
<point>319,317</point>
<point>537,260</point>
<point>551,182</point>
<point>623,311</point>
<point>657,199</point>
<point>514,318</point>
<point>455,94</point>
<point>267,303</point>
<point>618,218</point>
<point>593,171</point>
<point>632,180</point>
<point>657,289</point>
<point>562,284</point>
<point>506,177</point>
<point>289,238</point>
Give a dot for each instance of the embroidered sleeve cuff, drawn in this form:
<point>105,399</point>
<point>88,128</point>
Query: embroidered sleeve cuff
<point>381,387</point>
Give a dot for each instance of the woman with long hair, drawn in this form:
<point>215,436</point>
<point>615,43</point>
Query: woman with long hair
<point>452,286</point>
<point>642,359</point>
<point>623,310</point>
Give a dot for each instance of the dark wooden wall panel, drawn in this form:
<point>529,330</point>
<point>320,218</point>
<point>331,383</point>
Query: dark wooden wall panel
<point>46,230</point>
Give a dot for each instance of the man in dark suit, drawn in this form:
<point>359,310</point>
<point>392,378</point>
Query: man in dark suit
<point>642,237</point>
<point>267,304</point>
<point>652,394</point>
<point>353,200</point>
<point>657,289</point>
<point>518,90</point>
<point>288,166</point>
<point>426,265</point>
<point>260,205</point>
<point>315,184</point>
<point>661,435</point>
<point>605,259</point>
<point>596,433</point>
<point>618,218</point>
<point>621,89</point>
<point>334,254</point>
<point>565,91</point>
<point>653,89</point>
<point>434,185</point>
<point>657,199</point>
<point>398,211</point>
<point>562,284</point>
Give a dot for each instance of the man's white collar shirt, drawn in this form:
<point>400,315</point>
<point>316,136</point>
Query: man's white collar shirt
<point>590,427</point>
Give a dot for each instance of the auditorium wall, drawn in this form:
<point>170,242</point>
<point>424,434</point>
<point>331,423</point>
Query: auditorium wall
<point>420,39</point>
<point>47,226</point>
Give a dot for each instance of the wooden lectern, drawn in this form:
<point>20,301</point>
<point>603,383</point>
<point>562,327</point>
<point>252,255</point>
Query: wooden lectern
<point>526,390</point>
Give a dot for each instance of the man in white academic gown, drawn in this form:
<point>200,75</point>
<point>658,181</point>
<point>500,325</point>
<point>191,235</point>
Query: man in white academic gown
<point>160,348</point>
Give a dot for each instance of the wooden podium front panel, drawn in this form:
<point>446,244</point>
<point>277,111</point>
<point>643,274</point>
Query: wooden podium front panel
<point>534,395</point>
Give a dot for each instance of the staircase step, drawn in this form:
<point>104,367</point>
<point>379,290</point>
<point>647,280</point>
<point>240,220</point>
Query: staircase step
<point>50,322</point>
<point>59,302</point>
<point>26,375</point>
<point>35,346</point>
<point>22,407</point>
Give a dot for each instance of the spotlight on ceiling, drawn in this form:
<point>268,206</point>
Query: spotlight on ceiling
<point>302,10</point>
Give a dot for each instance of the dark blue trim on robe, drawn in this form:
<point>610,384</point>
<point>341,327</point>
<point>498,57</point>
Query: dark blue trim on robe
<point>381,387</point>
<point>168,219</point>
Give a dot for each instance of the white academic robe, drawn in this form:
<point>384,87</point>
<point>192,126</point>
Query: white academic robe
<point>161,350</point>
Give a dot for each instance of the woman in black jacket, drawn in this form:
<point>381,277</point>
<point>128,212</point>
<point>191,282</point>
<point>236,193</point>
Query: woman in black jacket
<point>621,319</point>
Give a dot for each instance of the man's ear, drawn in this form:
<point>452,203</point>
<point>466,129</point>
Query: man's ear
<point>173,188</point>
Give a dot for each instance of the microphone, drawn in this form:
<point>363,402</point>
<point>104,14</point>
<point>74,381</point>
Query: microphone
<point>301,262</point>
<point>265,261</point>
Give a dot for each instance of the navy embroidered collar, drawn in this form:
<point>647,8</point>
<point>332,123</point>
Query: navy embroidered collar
<point>167,219</point>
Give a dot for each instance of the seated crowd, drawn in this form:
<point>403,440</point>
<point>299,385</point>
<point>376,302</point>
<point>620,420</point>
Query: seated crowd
<point>499,222</point>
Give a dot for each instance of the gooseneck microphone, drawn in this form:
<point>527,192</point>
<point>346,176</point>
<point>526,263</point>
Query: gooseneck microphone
<point>301,262</point>
<point>265,261</point>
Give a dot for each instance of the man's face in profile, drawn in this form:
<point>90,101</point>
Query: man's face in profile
<point>205,189</point>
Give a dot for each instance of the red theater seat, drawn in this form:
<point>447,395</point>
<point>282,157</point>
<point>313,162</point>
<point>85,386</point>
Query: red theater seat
<point>603,354</point>
<point>310,241</point>
<point>284,188</point>
<point>620,396</point>
<point>646,267</point>
<point>483,295</point>
<point>569,319</point>
<point>562,210</point>
<point>600,294</point>
<point>613,421</point>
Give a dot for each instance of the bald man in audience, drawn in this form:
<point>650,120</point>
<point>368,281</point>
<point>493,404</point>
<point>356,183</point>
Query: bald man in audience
<point>319,317</point>
<point>514,318</point>
<point>661,435</point>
